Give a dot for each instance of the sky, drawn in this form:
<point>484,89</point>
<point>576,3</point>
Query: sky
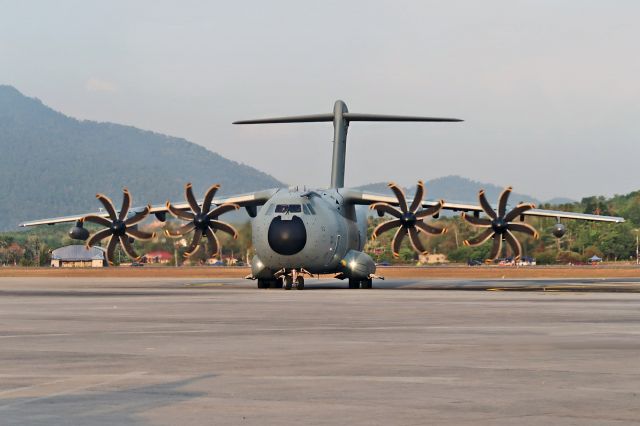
<point>549,90</point>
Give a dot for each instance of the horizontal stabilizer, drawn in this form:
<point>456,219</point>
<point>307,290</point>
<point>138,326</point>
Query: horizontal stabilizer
<point>347,116</point>
<point>315,118</point>
<point>341,117</point>
<point>354,116</point>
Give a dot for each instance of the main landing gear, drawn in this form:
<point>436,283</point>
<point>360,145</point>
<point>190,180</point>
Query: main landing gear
<point>365,284</point>
<point>269,283</point>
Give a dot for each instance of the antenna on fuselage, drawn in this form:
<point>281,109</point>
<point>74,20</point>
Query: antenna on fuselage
<point>341,118</point>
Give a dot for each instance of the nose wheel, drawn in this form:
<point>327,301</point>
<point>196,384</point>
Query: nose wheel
<point>288,282</point>
<point>293,279</point>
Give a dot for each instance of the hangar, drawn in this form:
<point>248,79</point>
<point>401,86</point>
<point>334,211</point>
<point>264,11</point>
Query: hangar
<point>77,256</point>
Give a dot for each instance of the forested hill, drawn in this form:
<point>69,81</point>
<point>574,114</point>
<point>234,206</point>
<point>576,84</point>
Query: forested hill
<point>53,165</point>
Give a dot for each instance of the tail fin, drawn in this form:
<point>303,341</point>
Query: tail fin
<point>341,118</point>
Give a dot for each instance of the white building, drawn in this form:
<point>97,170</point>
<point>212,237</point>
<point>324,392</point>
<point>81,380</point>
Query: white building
<point>77,256</point>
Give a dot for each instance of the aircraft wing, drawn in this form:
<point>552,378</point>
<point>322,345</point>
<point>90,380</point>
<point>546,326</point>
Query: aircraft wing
<point>365,198</point>
<point>252,199</point>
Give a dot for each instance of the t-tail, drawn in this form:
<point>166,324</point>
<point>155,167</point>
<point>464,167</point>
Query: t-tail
<point>341,118</point>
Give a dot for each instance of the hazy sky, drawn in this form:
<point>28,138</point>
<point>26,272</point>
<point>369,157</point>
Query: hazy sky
<point>550,90</point>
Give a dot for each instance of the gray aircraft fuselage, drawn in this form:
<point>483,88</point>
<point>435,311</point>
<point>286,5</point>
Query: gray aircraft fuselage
<point>311,230</point>
<point>326,235</point>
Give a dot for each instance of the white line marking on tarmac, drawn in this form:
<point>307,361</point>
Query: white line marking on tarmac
<point>35,335</point>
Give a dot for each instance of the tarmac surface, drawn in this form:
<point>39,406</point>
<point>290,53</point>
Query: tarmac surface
<point>105,351</point>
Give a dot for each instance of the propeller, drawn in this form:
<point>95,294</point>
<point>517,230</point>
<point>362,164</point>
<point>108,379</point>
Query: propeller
<point>202,221</point>
<point>118,227</point>
<point>500,225</point>
<point>408,219</point>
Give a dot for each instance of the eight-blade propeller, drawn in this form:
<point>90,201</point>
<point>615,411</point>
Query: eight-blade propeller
<point>118,227</point>
<point>499,225</point>
<point>203,221</point>
<point>408,219</point>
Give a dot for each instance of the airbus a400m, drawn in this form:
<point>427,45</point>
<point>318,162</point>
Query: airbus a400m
<point>298,231</point>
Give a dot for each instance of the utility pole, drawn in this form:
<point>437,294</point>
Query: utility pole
<point>637,249</point>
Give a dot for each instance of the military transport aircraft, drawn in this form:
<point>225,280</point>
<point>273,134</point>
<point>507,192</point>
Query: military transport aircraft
<point>299,231</point>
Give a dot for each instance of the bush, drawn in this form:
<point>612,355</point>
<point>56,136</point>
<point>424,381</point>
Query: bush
<point>547,257</point>
<point>566,257</point>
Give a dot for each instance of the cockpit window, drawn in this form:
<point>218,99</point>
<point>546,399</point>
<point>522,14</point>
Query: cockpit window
<point>288,208</point>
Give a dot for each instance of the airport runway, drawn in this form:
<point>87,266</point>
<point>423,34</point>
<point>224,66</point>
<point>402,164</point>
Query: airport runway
<point>104,351</point>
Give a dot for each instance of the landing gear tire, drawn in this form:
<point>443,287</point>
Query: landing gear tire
<point>300,283</point>
<point>366,283</point>
<point>288,282</point>
<point>353,283</point>
<point>263,283</point>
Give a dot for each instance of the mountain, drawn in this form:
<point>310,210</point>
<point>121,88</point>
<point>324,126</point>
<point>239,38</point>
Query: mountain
<point>53,165</point>
<point>456,188</point>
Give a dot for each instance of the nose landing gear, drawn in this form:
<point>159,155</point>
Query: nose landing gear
<point>294,278</point>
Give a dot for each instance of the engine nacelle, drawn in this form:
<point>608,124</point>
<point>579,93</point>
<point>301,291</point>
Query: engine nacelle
<point>78,232</point>
<point>559,230</point>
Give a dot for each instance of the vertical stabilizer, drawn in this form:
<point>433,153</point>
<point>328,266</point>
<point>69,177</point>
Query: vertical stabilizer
<point>341,118</point>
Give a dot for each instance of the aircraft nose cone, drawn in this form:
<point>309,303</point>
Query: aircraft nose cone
<point>287,237</point>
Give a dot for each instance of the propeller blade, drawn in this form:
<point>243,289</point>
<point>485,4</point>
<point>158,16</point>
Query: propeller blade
<point>208,197</point>
<point>384,227</point>
<point>485,205</point>
<point>111,249</point>
<point>195,243</point>
<point>184,229</point>
<point>496,248</point>
<point>518,210</point>
<point>126,204</point>
<point>138,217</point>
<point>417,199</point>
<point>415,241</point>
<point>141,235</point>
<point>483,237</point>
<point>397,241</point>
<point>97,237</point>
<point>179,214</point>
<point>128,248</point>
<point>430,211</point>
<point>97,219</point>
<point>430,229</point>
<point>477,221</point>
<point>224,227</point>
<point>402,201</point>
<point>523,227</point>
<point>386,208</point>
<point>214,244</point>
<point>516,248</point>
<point>502,201</point>
<point>220,210</point>
<point>191,199</point>
<point>108,205</point>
